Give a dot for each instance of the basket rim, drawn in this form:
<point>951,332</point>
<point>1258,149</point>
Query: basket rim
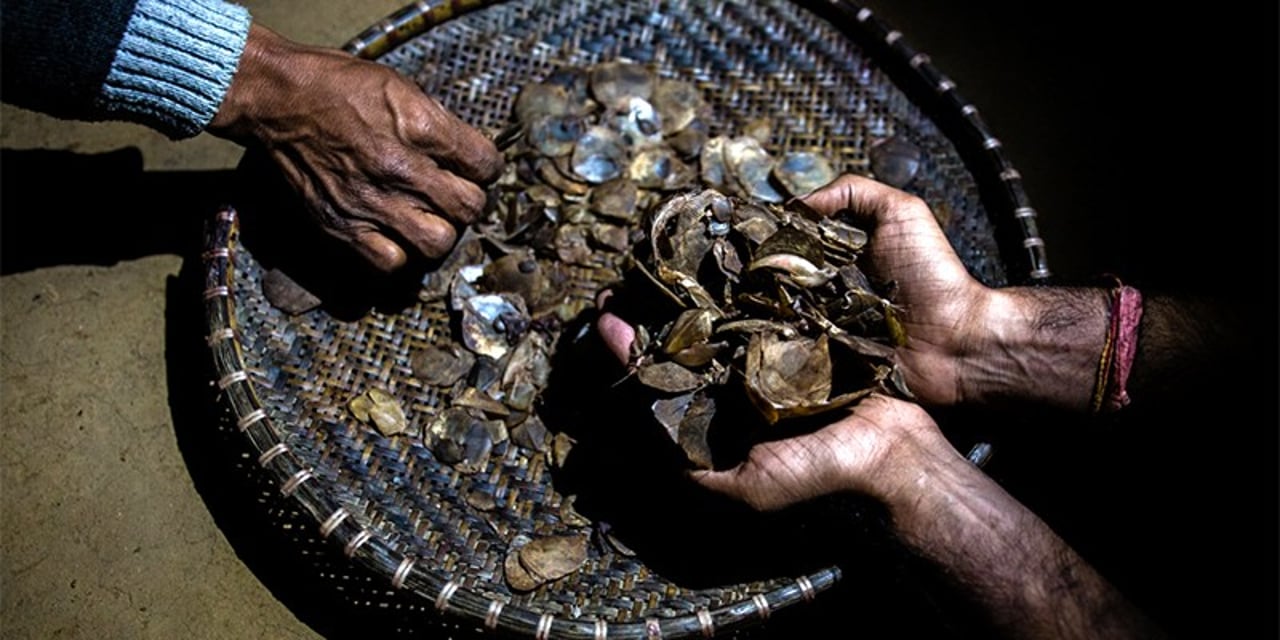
<point>912,70</point>
<point>362,545</point>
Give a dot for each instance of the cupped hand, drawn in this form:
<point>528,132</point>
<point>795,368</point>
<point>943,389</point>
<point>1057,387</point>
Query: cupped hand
<point>944,307</point>
<point>872,448</point>
<point>378,163</point>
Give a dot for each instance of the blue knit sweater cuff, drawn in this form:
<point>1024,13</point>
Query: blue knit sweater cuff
<point>175,64</point>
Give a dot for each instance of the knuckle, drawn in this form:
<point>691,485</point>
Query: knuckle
<point>474,154</point>
<point>905,206</point>
<point>453,197</point>
<point>471,203</point>
<point>904,200</point>
<point>846,180</point>
<point>422,125</point>
<point>488,161</point>
<point>337,220</point>
<point>849,183</point>
<point>396,163</point>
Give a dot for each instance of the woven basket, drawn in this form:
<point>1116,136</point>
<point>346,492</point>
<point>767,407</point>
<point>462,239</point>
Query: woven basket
<point>831,76</point>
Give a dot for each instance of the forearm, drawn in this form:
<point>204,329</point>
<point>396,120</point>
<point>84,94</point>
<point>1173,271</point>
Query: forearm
<point>1189,344</point>
<point>1043,346</point>
<point>1006,560</point>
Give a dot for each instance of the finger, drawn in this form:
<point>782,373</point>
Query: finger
<point>727,482</point>
<point>430,234</point>
<point>617,335</point>
<point>382,252</point>
<point>776,474</point>
<point>864,198</point>
<point>455,144</point>
<point>447,194</point>
<point>745,484</point>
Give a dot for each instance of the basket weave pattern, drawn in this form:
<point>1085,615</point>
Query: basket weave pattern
<point>387,503</point>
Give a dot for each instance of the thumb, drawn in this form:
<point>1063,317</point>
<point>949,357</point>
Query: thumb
<point>739,483</point>
<point>618,334</point>
<point>776,474</point>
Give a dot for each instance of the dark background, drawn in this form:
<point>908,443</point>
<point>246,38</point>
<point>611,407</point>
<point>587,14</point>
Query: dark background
<point>1147,141</point>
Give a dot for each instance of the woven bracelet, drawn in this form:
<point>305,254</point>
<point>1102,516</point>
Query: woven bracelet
<point>1128,313</point>
<point>1124,308</point>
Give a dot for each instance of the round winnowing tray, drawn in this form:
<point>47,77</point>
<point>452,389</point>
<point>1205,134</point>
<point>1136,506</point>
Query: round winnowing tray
<point>830,76</point>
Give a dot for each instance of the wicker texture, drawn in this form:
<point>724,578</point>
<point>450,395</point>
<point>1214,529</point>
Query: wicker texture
<point>387,503</point>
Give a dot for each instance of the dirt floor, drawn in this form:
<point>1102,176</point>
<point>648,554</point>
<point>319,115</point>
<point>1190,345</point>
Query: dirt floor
<point>118,516</point>
<point>103,531</point>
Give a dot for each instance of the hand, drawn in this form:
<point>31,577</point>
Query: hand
<point>940,506</point>
<point>873,449</point>
<point>379,164</point>
<point>945,307</point>
<point>967,342</point>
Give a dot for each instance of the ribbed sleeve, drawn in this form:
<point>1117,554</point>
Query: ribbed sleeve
<point>174,64</point>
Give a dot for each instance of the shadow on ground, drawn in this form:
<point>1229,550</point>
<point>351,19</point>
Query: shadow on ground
<point>98,208</point>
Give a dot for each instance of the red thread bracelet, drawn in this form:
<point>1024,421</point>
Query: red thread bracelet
<point>1126,316</point>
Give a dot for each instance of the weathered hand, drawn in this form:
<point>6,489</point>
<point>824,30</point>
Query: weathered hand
<point>945,306</point>
<point>940,505</point>
<point>378,163</point>
<point>866,451</point>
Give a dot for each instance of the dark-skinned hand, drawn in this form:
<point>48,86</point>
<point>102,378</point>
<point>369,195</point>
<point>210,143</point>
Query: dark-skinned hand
<point>378,163</point>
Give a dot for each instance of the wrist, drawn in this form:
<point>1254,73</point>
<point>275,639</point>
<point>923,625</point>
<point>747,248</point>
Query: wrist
<point>889,449</point>
<point>917,479</point>
<point>269,66</point>
<point>1037,345</point>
